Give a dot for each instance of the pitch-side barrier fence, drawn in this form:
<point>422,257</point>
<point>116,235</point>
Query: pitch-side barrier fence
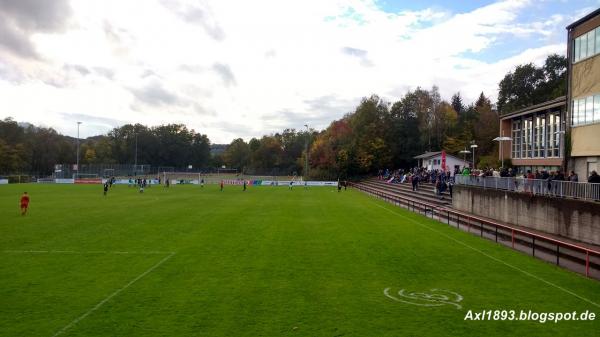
<point>575,257</point>
<point>557,188</point>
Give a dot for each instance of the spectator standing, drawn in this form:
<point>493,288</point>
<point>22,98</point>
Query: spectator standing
<point>529,182</point>
<point>557,181</point>
<point>594,178</point>
<point>415,182</point>
<point>573,177</point>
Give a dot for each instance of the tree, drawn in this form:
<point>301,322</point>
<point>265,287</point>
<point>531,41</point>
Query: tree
<point>103,151</point>
<point>200,150</point>
<point>267,158</point>
<point>331,152</point>
<point>237,154</point>
<point>89,156</point>
<point>529,85</point>
<point>457,103</point>
<point>404,131</point>
<point>369,129</point>
<point>487,125</point>
<point>555,71</point>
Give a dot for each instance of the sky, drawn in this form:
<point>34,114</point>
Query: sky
<point>231,69</point>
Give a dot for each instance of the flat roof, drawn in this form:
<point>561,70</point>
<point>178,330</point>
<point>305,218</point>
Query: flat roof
<point>557,102</point>
<point>428,155</point>
<point>583,19</point>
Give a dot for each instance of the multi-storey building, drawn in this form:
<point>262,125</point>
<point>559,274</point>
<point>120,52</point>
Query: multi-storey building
<point>564,132</point>
<point>537,136</point>
<point>583,94</point>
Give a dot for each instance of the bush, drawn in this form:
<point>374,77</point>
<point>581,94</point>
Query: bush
<point>488,161</point>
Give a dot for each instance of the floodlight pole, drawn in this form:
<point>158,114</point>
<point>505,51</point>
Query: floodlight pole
<point>500,140</point>
<point>306,157</point>
<point>135,159</point>
<point>473,148</point>
<point>464,152</point>
<point>501,152</point>
<point>501,155</point>
<point>78,123</point>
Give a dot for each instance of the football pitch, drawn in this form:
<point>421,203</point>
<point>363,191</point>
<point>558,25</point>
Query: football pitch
<point>187,261</point>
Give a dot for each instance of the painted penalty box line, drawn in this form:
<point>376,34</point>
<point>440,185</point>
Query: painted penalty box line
<point>490,256</point>
<point>109,297</point>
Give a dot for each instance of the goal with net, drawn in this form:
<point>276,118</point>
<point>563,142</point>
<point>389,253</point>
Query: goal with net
<point>181,177</point>
<point>108,173</point>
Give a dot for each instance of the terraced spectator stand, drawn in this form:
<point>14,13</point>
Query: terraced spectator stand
<point>569,254</point>
<point>425,192</point>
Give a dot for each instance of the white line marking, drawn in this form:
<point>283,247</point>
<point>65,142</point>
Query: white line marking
<point>433,299</point>
<point>490,256</point>
<point>83,252</point>
<point>27,251</point>
<point>75,321</point>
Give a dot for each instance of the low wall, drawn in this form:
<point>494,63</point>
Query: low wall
<point>574,219</point>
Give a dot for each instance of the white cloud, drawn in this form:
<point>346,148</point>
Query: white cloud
<point>244,68</point>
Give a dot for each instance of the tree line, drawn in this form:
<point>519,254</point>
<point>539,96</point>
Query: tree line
<point>377,134</point>
<point>27,149</point>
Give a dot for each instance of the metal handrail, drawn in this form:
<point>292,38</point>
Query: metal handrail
<point>466,216</point>
<point>554,188</point>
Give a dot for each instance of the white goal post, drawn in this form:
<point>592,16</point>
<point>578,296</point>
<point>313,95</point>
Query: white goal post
<point>181,177</point>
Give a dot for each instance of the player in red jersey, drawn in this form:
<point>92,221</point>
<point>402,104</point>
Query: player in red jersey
<point>24,203</point>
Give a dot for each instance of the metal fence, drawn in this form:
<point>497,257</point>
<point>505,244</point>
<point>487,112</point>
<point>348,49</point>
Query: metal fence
<point>557,188</point>
<point>102,170</point>
<point>129,170</point>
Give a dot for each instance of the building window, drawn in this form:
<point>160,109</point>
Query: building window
<point>516,136</point>
<point>537,142</point>
<point>553,135</point>
<point>582,111</point>
<point>537,137</point>
<point>585,110</point>
<point>598,40</point>
<point>550,133</point>
<point>591,39</point>
<point>526,146</point>
<point>534,144</point>
<point>597,107</point>
<point>589,109</point>
<point>557,132</point>
<point>523,152</point>
<point>583,46</point>
<point>540,137</point>
<point>587,45</point>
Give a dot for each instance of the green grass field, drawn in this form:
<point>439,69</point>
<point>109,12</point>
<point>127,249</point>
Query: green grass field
<point>265,262</point>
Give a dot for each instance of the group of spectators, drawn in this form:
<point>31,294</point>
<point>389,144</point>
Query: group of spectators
<point>537,181</point>
<point>441,180</point>
<point>557,175</point>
